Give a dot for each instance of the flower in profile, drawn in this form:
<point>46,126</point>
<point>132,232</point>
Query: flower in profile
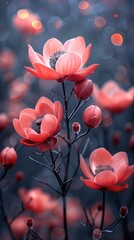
<point>36,200</point>
<point>27,22</point>
<point>106,171</point>
<point>111,97</point>
<point>62,61</point>
<point>38,126</point>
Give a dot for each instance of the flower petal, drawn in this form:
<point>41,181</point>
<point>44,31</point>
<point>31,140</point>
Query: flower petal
<point>98,157</point>
<point>52,46</point>
<point>43,108</point>
<point>49,124</point>
<point>86,54</point>
<point>121,172</point>
<point>26,120</point>
<point>46,73</point>
<point>89,183</point>
<point>77,45</point>
<point>47,145</point>
<point>130,171</point>
<point>33,72</point>
<point>58,111</point>
<point>45,100</point>
<point>118,159</point>
<point>18,128</point>
<point>105,178</point>
<point>116,188</point>
<point>28,143</point>
<point>82,73</point>
<point>34,136</point>
<point>33,55</point>
<point>85,169</point>
<point>68,63</point>
<point>67,43</point>
<point>29,111</point>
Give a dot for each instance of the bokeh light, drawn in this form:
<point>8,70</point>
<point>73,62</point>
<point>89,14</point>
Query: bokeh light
<point>117,39</point>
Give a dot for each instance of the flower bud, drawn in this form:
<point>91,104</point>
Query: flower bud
<point>84,89</point>
<point>128,127</point>
<point>116,138</point>
<point>123,211</point>
<point>131,143</point>
<point>92,116</point>
<point>8,157</point>
<point>4,121</point>
<point>97,234</point>
<point>76,127</point>
<point>19,176</point>
<point>29,222</point>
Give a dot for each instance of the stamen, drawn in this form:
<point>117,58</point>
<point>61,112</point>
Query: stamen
<point>36,124</point>
<point>101,168</point>
<point>53,59</point>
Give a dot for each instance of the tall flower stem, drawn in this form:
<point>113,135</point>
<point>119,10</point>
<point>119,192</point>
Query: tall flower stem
<point>5,217</point>
<point>103,209</point>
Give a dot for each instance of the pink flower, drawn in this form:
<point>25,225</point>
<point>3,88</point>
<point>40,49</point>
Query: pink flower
<point>62,61</point>
<point>106,171</point>
<point>8,157</point>
<point>112,97</point>
<point>38,126</point>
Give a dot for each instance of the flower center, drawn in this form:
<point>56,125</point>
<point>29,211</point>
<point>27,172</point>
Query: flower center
<point>101,168</point>
<point>36,124</point>
<point>53,59</point>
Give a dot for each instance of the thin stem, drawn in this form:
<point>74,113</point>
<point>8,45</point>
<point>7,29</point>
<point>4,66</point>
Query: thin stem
<point>114,224</point>
<point>65,217</point>
<point>21,211</point>
<point>4,174</point>
<point>5,217</point>
<point>75,110</point>
<point>82,135</point>
<point>103,210</point>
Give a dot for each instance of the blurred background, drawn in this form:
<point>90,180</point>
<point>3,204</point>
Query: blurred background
<point>109,26</point>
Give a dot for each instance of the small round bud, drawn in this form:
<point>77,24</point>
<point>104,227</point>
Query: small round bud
<point>116,138</point>
<point>76,127</point>
<point>128,127</point>
<point>99,207</point>
<point>84,89</point>
<point>8,157</point>
<point>123,211</point>
<point>29,222</point>
<point>92,116</point>
<point>131,143</point>
<point>19,176</point>
<point>97,234</point>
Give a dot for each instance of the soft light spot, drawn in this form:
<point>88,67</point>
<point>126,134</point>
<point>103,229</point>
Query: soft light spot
<point>99,22</point>
<point>117,39</point>
<point>23,14</point>
<point>84,5</point>
<point>37,24</point>
<point>115,15</point>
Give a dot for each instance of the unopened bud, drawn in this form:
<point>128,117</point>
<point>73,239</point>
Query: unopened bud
<point>76,127</point>
<point>116,138</point>
<point>131,143</point>
<point>97,234</point>
<point>8,157</point>
<point>123,211</point>
<point>4,121</point>
<point>92,116</point>
<point>29,222</point>
<point>19,176</point>
<point>128,127</point>
<point>84,89</point>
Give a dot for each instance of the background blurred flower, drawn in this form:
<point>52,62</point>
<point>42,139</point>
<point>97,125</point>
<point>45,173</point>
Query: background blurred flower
<point>7,59</point>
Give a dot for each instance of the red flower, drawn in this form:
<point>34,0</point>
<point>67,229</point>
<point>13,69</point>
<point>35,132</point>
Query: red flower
<point>38,126</point>
<point>8,157</point>
<point>92,116</point>
<point>107,171</point>
<point>112,97</point>
<point>60,61</point>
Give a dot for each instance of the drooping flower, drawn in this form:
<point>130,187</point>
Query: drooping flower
<point>106,171</point>
<point>36,200</point>
<point>111,97</point>
<point>62,61</point>
<point>38,126</point>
